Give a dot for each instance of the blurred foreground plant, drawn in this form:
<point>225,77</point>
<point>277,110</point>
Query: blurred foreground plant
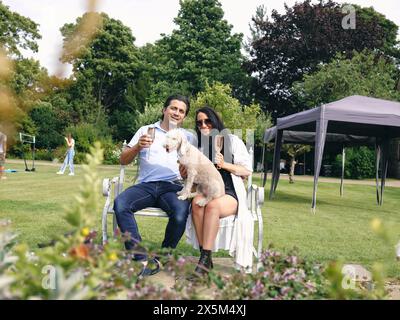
<point>75,267</point>
<point>345,285</point>
<point>281,277</point>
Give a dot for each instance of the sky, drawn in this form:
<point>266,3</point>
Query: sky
<point>146,18</point>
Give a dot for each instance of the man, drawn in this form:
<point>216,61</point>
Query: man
<point>3,150</point>
<point>158,182</point>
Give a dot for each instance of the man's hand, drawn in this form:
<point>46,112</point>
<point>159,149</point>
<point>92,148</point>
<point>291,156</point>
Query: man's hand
<point>182,171</point>
<point>145,141</point>
<point>129,154</point>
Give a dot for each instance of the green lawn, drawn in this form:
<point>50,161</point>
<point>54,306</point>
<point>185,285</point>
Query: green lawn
<point>340,228</point>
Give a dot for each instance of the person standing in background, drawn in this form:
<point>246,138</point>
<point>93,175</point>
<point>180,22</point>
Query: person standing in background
<point>3,151</point>
<point>69,157</point>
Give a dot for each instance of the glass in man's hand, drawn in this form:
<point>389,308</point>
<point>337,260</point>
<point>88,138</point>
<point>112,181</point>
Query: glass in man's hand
<point>151,132</point>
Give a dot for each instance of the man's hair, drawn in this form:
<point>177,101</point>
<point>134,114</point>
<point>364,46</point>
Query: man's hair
<point>178,97</point>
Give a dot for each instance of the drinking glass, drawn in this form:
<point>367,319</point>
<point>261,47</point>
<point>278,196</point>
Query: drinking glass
<point>219,143</point>
<point>151,131</point>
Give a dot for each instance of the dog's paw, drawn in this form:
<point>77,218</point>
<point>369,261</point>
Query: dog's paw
<point>179,193</point>
<point>183,196</point>
<point>192,195</point>
<point>202,202</point>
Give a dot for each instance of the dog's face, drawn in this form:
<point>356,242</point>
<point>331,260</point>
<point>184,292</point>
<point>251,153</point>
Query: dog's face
<point>173,140</point>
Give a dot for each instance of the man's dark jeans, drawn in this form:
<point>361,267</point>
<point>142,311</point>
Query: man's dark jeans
<point>160,194</point>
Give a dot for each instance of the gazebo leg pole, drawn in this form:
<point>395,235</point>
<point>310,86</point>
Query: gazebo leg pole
<point>385,160</point>
<point>343,162</point>
<point>320,136</point>
<point>378,158</point>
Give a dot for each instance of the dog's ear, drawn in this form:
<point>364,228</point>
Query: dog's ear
<point>184,144</point>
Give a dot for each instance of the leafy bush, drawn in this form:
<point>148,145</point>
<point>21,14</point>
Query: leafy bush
<point>44,154</point>
<point>234,115</point>
<point>7,259</point>
<point>151,114</point>
<point>359,164</point>
<point>281,277</point>
<point>49,126</point>
<point>112,151</point>
<point>59,153</point>
<point>85,135</point>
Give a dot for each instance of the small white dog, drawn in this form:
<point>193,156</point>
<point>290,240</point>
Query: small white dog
<point>200,170</point>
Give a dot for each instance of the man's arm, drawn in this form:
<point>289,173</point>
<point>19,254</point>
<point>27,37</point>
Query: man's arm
<point>129,154</point>
<point>182,171</point>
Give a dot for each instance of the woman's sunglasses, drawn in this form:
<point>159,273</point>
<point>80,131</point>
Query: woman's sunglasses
<point>207,122</point>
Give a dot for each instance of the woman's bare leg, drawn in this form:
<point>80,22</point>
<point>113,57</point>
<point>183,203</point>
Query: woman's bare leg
<point>216,209</point>
<point>198,216</point>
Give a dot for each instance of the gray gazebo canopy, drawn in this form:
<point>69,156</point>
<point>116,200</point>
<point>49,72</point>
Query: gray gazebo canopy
<point>333,141</point>
<point>302,137</point>
<point>353,120</point>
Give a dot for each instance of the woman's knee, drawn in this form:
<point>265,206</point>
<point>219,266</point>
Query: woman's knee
<point>196,209</point>
<point>213,207</point>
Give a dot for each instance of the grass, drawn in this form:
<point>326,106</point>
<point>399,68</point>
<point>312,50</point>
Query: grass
<point>35,203</point>
<point>340,229</point>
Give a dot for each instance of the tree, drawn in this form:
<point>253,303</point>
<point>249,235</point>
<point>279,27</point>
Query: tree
<point>294,151</point>
<point>17,32</point>
<point>105,68</point>
<point>367,74</point>
<point>49,126</point>
<point>287,46</point>
<point>234,115</point>
<point>27,80</point>
<point>202,49</point>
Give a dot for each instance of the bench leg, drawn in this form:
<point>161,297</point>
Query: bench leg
<point>260,237</point>
<point>104,224</point>
<point>115,226</point>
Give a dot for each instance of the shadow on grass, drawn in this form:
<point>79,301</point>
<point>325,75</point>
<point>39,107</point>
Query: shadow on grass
<point>282,196</point>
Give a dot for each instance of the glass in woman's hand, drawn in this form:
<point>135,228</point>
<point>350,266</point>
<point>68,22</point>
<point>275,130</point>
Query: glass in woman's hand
<point>218,145</point>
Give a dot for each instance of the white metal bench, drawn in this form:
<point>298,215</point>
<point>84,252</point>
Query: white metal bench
<point>112,187</point>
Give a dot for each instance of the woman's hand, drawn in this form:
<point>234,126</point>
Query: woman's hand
<point>219,160</point>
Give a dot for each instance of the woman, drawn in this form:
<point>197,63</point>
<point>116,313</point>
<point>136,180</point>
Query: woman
<point>69,157</point>
<point>3,150</point>
<point>234,164</point>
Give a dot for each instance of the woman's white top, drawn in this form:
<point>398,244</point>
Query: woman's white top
<point>72,144</point>
<point>235,232</point>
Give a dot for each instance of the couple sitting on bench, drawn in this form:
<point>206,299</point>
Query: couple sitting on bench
<point>160,178</point>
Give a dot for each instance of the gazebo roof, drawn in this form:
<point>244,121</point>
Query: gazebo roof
<point>354,115</point>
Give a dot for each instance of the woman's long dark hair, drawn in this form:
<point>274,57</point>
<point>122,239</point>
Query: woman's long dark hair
<point>217,124</point>
<point>214,118</point>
